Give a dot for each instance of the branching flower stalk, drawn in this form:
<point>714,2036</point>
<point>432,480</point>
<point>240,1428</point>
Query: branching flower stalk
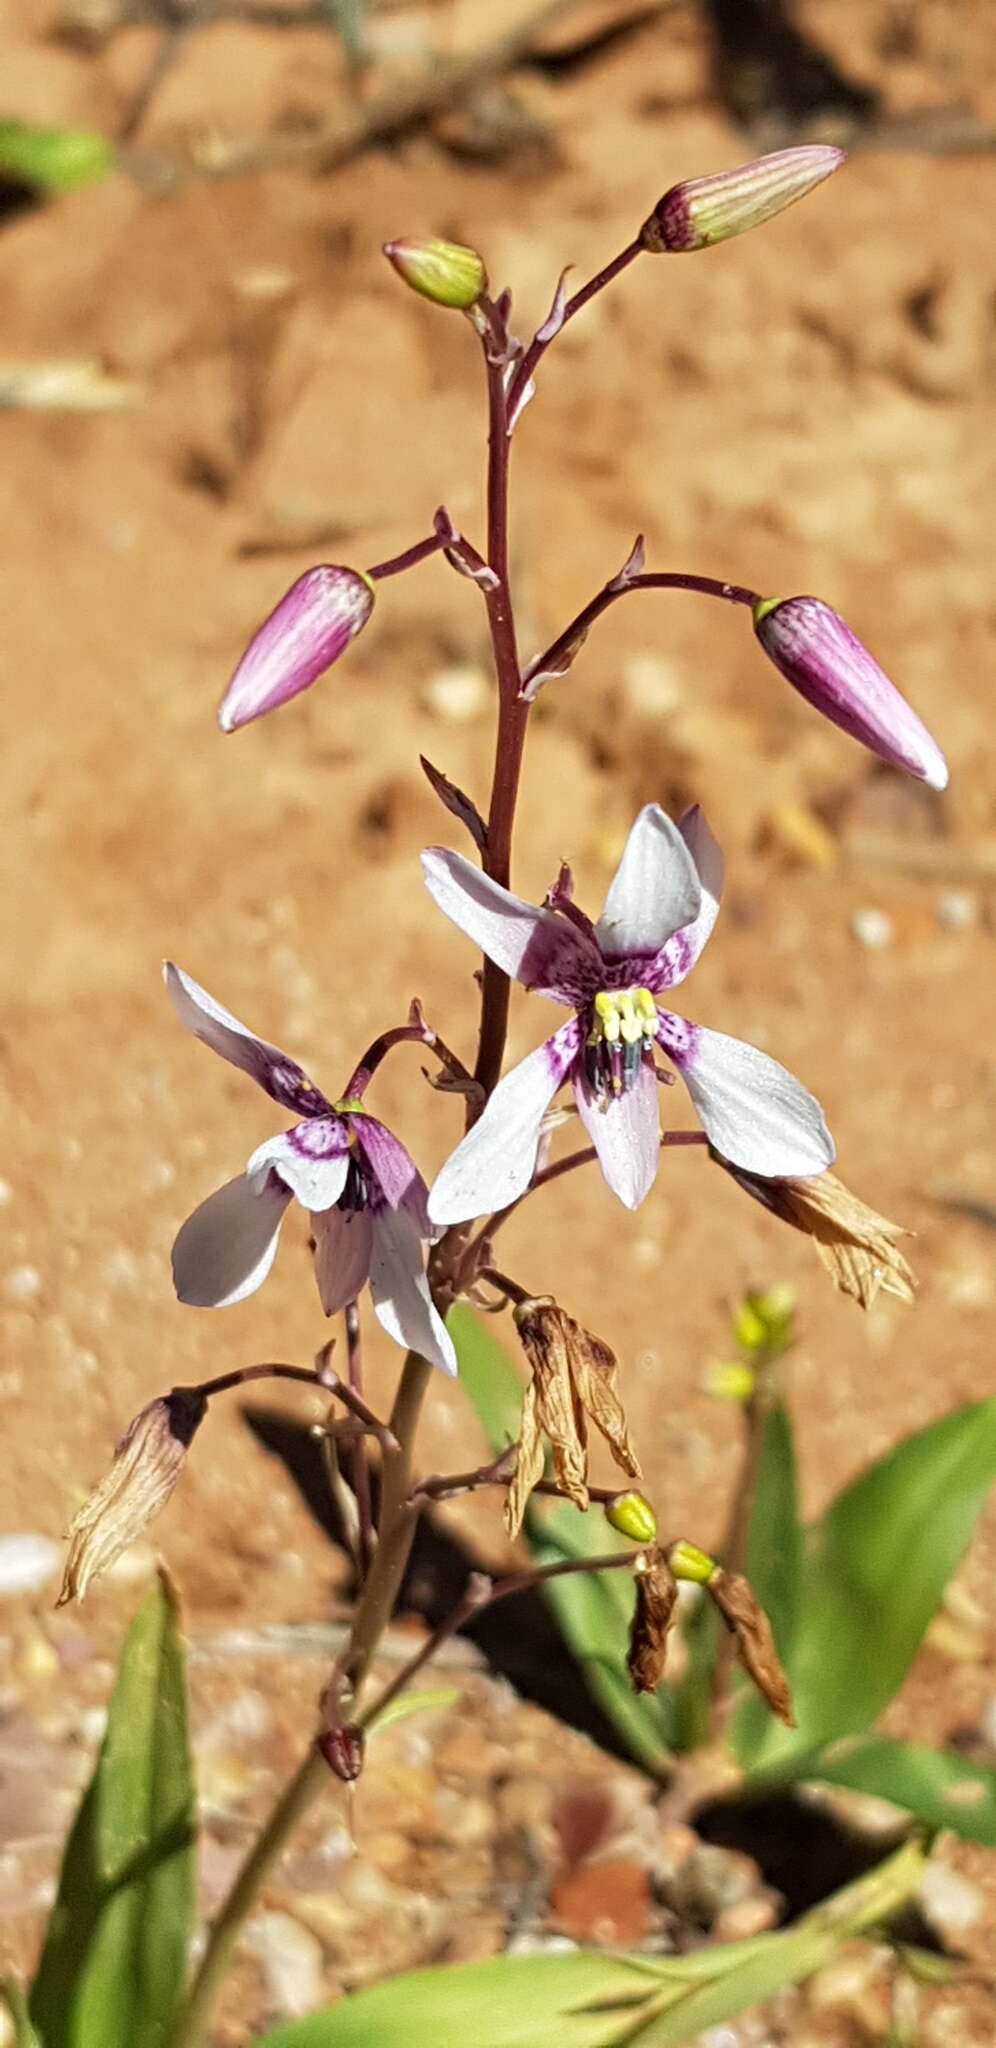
<point>375,1224</point>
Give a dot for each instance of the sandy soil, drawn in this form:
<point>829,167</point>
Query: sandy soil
<point>810,409</point>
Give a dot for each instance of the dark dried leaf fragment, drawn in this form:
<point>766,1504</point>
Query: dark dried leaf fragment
<point>749,1625</point>
<point>656,1598</point>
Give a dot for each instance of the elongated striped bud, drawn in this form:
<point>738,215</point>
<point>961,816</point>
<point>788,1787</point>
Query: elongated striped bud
<point>701,211</point>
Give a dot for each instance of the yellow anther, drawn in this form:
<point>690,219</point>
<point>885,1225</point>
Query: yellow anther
<point>628,1014</point>
<point>608,1015</point>
<point>630,1025</point>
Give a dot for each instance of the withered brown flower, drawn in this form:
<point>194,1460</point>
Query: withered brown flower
<point>573,1381</point>
<point>749,1625</point>
<point>656,1597</point>
<point>147,1464</point>
<point>857,1246</point>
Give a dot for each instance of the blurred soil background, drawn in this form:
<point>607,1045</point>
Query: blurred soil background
<point>809,408</point>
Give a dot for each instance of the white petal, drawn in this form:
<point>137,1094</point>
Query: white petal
<point>626,1133</point>
<point>215,1026</point>
<point>678,956</point>
<point>540,949</point>
<point>494,1163</point>
<point>400,1290</point>
<point>654,891</point>
<point>312,1161</point>
<point>226,1248</point>
<point>754,1112</point>
<point>343,1241</point>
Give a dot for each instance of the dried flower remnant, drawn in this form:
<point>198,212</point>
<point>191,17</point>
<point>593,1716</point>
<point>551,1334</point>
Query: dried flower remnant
<point>702,211</point>
<point>305,633</point>
<point>366,1198</point>
<point>656,1599</point>
<point>858,1247</point>
<point>660,910</point>
<point>749,1625</point>
<point>344,1750</point>
<point>816,651</point>
<point>447,273</point>
<point>573,1382</point>
<point>147,1464</point>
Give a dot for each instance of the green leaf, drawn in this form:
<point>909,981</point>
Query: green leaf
<point>593,1609</point>
<point>53,159</point>
<point>115,1953</point>
<point>599,2001</point>
<point>507,2002</point>
<point>409,1703</point>
<point>17,2006</point>
<point>874,1571</point>
<point>936,1786</point>
<point>774,1548</point>
<point>490,1379</point>
<point>748,1973</point>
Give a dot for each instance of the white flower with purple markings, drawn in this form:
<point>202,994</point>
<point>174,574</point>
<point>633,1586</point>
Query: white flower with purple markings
<point>661,907</point>
<point>365,1196</point>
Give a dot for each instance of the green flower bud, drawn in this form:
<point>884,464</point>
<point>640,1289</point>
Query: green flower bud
<point>633,1516</point>
<point>444,272</point>
<point>687,1562</point>
<point>733,1382</point>
<point>701,211</point>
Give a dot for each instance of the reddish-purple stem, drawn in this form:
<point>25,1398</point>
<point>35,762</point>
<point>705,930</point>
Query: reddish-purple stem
<point>512,720</point>
<point>566,642</point>
<point>538,348</point>
<point>421,551</point>
<point>361,1075</point>
<point>359,1468</point>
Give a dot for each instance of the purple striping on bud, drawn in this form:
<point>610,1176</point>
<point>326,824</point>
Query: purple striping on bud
<point>822,659</point>
<point>701,211</point>
<point>445,272</point>
<point>309,629</point>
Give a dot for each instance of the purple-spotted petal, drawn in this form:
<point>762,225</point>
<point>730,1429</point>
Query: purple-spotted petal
<point>654,892</point>
<point>312,1161</point>
<point>400,1290</point>
<point>343,1240</point>
<point>214,1026</point>
<point>393,1169</point>
<point>493,1165</point>
<point>540,949</point>
<point>754,1112</point>
<point>626,1133</point>
<point>225,1250</point>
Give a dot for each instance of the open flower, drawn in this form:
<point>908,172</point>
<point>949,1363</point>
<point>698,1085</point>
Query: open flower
<point>366,1198</point>
<point>659,912</point>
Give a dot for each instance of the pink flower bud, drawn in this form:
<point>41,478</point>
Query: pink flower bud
<point>445,272</point>
<point>701,211</point>
<point>827,664</point>
<point>309,629</point>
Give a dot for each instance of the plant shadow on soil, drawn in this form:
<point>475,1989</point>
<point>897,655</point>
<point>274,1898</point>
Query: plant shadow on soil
<point>804,1852</point>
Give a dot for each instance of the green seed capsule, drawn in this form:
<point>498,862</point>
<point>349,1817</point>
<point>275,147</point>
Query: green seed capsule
<point>687,1562</point>
<point>633,1516</point>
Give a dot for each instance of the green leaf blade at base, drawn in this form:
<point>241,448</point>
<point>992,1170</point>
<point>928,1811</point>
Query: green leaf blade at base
<point>874,1572</point>
<point>115,1954</point>
<point>506,2002</point>
<point>939,1788</point>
